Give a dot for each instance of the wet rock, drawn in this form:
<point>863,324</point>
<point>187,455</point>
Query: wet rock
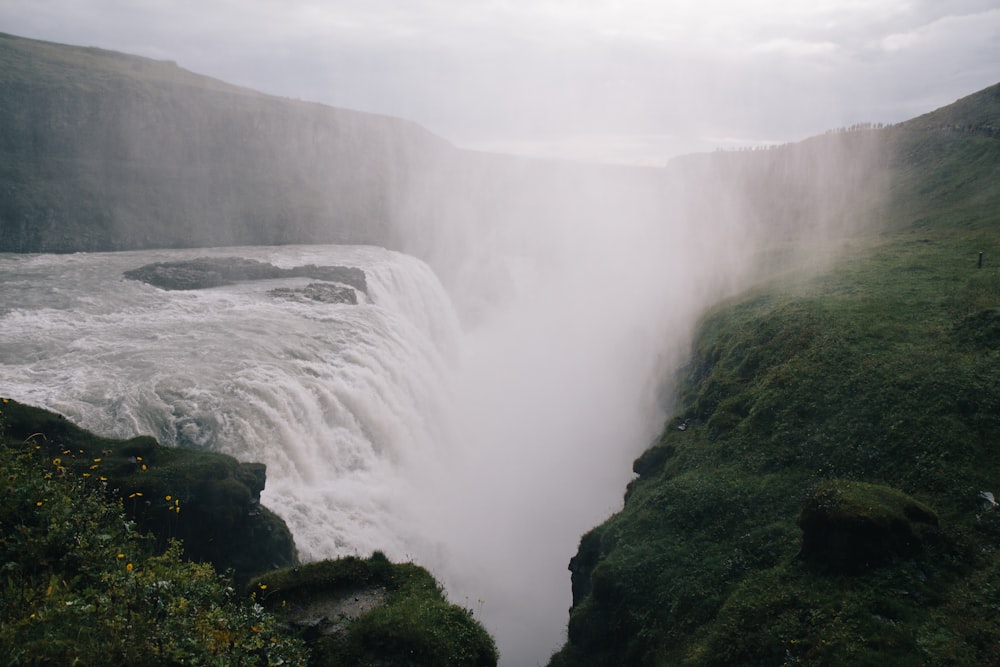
<point>215,271</point>
<point>319,293</point>
<point>986,501</point>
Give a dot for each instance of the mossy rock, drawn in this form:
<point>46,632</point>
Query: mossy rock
<point>209,501</point>
<point>354,611</point>
<point>849,526</point>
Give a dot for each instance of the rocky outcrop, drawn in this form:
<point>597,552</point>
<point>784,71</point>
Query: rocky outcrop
<point>216,271</point>
<point>210,501</point>
<point>318,293</point>
<point>355,611</point>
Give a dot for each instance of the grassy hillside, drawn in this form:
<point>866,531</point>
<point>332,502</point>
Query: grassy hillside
<point>814,497</point>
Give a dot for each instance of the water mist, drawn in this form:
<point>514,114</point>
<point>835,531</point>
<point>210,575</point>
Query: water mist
<point>578,295</point>
<point>476,413</point>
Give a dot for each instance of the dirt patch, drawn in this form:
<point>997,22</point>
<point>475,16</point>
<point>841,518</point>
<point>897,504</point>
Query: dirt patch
<point>327,615</point>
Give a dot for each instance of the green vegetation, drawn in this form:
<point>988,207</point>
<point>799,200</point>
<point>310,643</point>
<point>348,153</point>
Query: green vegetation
<point>209,501</point>
<point>373,612</point>
<point>813,500</point>
<point>82,585</point>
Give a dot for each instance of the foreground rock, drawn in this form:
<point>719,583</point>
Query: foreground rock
<point>215,271</point>
<point>210,501</point>
<point>355,611</point>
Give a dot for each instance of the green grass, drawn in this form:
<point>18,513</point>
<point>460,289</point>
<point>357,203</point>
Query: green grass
<point>871,390</point>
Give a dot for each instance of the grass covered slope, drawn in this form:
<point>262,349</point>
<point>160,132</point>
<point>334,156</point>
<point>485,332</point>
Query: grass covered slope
<point>814,499</point>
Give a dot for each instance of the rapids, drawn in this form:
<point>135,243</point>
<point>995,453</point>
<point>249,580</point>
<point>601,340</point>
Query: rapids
<point>335,399</point>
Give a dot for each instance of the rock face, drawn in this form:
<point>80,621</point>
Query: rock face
<point>210,501</point>
<point>215,271</point>
<point>849,527</point>
<point>105,151</point>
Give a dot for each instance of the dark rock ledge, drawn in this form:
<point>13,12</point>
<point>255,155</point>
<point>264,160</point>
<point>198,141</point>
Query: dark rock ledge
<point>215,271</point>
<point>210,501</point>
<point>318,293</point>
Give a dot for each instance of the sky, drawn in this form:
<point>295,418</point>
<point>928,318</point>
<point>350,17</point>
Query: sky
<point>627,81</point>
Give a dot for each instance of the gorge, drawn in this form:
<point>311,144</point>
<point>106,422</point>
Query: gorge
<point>479,408</point>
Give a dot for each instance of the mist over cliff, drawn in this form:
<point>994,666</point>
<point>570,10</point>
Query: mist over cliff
<point>106,151</point>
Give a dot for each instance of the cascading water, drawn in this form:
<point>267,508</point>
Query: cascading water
<point>341,402</point>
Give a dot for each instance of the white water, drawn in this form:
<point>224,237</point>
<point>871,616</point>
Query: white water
<point>339,401</point>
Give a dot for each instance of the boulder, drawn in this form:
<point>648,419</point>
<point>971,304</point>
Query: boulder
<point>355,611</point>
<point>849,527</point>
<point>318,293</point>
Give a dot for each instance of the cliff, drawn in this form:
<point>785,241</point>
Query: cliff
<point>823,492</point>
<point>209,501</point>
<point>106,151</point>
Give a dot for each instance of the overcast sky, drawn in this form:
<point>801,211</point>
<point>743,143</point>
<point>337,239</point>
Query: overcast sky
<point>628,81</point>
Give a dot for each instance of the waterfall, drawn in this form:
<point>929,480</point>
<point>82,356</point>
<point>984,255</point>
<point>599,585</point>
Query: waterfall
<point>341,402</point>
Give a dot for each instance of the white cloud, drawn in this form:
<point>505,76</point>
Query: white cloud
<point>530,73</point>
<point>796,48</point>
